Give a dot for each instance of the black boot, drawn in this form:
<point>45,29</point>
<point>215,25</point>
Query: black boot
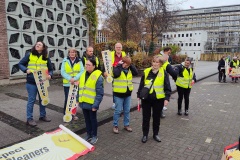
<point>179,112</point>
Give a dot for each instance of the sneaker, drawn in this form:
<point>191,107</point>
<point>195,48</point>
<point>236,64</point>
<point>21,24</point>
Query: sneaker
<point>94,140</point>
<point>164,108</point>
<point>31,123</point>
<point>75,118</point>
<point>113,106</point>
<point>88,138</point>
<point>186,112</point>
<point>115,130</point>
<point>45,119</point>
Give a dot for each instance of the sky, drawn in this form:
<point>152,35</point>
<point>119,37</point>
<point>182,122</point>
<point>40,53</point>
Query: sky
<point>185,4</point>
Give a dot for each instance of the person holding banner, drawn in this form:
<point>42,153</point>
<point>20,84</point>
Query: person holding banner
<point>35,60</point>
<point>89,55</point>
<point>90,96</point>
<point>71,70</point>
<point>122,90</point>
<point>116,57</point>
<point>156,79</point>
<point>185,80</point>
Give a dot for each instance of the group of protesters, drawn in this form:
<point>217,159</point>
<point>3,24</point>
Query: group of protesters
<point>154,88</point>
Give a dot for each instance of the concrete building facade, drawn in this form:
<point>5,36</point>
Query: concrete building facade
<point>58,23</point>
<point>191,42</point>
<point>221,23</point>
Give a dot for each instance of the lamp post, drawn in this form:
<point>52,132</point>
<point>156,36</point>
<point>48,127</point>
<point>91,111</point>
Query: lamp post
<point>143,41</point>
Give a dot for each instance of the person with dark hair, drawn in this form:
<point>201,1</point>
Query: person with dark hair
<point>168,51</point>
<point>90,96</point>
<point>122,90</point>
<point>156,79</point>
<point>35,60</point>
<point>221,69</point>
<point>184,83</point>
<point>71,70</point>
<point>89,55</point>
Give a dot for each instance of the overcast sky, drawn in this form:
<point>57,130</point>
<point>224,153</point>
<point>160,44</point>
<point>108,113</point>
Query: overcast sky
<point>185,4</point>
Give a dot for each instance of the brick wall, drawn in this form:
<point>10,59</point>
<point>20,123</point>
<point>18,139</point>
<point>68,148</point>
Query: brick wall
<point>4,64</point>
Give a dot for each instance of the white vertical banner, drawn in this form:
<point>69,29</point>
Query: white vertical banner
<point>107,60</point>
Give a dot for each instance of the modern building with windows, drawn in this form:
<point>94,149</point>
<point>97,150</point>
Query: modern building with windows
<point>191,42</point>
<point>222,25</point>
<point>102,36</point>
<point>60,24</point>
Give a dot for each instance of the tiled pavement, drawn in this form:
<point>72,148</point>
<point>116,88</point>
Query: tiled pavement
<point>213,123</point>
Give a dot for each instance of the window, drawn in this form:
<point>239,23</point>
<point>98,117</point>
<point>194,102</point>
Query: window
<point>190,44</point>
<point>198,44</point>
<point>186,44</point>
<point>194,44</point>
<point>181,44</point>
<point>186,35</point>
<point>179,35</point>
<point>190,34</point>
<point>182,35</point>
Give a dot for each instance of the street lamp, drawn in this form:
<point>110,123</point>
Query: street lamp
<point>143,41</point>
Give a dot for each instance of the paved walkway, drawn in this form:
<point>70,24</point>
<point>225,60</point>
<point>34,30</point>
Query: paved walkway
<point>13,101</point>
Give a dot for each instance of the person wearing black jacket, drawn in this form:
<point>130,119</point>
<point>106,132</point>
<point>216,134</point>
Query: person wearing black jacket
<point>221,69</point>
<point>122,90</point>
<point>185,80</point>
<point>159,95</point>
<point>89,55</point>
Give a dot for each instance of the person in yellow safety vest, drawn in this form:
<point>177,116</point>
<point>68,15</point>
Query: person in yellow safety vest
<point>71,70</point>
<point>35,60</point>
<point>122,90</point>
<point>157,79</point>
<point>168,67</point>
<point>184,83</point>
<point>90,96</point>
<point>89,55</point>
<point>116,57</point>
<point>234,64</point>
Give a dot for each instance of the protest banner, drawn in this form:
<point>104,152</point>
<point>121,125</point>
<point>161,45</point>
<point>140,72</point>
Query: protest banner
<point>59,144</point>
<point>107,61</point>
<point>42,83</point>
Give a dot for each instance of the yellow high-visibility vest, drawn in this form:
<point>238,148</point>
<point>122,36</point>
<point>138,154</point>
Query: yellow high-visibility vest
<point>36,63</point>
<point>186,80</point>
<point>73,71</point>
<point>235,64</point>
<point>158,84</point>
<point>121,83</point>
<point>113,56</point>
<point>87,90</point>
<point>96,59</point>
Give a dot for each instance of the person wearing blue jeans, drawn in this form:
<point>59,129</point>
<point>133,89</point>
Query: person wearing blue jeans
<point>122,90</point>
<point>35,60</point>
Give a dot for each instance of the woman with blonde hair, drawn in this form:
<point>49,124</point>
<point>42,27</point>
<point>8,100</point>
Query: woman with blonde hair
<point>156,79</point>
<point>71,70</point>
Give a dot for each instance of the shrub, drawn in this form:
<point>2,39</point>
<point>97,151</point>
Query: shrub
<point>177,59</point>
<point>141,60</point>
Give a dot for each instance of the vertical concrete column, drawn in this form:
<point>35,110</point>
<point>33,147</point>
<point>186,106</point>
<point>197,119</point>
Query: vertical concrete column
<point>4,62</point>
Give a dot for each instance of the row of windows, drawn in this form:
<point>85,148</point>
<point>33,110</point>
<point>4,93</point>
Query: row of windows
<point>179,35</point>
<point>182,44</point>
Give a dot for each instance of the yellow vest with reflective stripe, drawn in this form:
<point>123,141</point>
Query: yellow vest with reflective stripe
<point>73,71</point>
<point>235,64</point>
<point>96,59</point>
<point>186,80</point>
<point>158,84</point>
<point>36,63</point>
<point>113,55</point>
<point>121,83</point>
<point>87,90</point>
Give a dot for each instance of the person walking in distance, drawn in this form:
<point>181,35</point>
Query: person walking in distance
<point>155,78</point>
<point>35,60</point>
<point>221,69</point>
<point>184,83</point>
